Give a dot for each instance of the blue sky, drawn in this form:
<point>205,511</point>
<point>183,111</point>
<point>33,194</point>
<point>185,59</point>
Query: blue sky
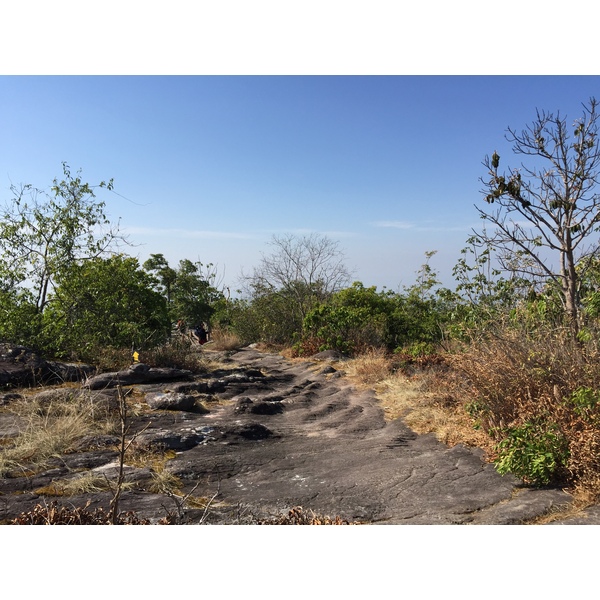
<point>211,167</point>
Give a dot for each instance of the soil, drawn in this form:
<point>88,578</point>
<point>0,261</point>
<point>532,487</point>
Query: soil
<point>266,436</point>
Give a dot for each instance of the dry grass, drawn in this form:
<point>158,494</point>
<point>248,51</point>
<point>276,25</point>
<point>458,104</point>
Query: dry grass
<point>222,340</point>
<point>419,396</point>
<point>51,429</point>
<point>515,379</point>
<point>299,516</point>
<point>370,367</point>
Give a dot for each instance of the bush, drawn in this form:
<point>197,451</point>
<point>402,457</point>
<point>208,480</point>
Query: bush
<point>536,395</point>
<point>534,451</point>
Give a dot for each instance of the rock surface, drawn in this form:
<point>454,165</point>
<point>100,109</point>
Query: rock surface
<point>273,435</point>
<point>20,366</point>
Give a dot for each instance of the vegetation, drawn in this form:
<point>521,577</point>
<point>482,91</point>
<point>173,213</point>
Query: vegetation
<point>550,209</point>
<point>513,348</point>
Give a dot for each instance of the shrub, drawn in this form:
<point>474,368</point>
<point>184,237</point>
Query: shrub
<point>537,396</point>
<point>534,451</point>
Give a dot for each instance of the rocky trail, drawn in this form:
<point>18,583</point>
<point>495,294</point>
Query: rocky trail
<point>264,435</point>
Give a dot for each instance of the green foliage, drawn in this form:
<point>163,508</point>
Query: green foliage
<point>585,403</point>
<point>104,302</point>
<point>297,276</point>
<point>193,294</point>
<point>483,297</point>
<point>43,233</point>
<point>188,290</point>
<point>158,265</point>
<point>20,321</point>
<point>535,451</point>
<point>358,317</point>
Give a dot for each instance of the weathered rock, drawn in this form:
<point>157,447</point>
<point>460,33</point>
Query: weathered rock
<point>164,439</point>
<point>106,399</point>
<point>329,355</point>
<point>11,426</point>
<point>58,372</point>
<point>259,407</point>
<point>330,450</point>
<point>138,373</point>
<point>9,397</point>
<point>22,367</point>
<point>170,401</point>
<point>247,431</point>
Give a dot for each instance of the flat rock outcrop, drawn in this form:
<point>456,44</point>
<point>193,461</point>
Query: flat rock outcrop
<point>266,435</point>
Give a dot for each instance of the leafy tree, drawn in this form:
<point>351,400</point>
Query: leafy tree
<point>42,234</point>
<point>189,290</point>
<point>550,208</point>
<point>193,294</point>
<point>158,265</point>
<point>353,319</point>
<point>104,302</point>
<point>20,322</point>
<point>357,317</point>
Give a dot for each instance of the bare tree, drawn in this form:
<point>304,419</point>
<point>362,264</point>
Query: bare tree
<point>300,271</point>
<point>547,213</point>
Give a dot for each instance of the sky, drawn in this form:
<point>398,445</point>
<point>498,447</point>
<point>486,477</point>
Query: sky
<point>211,167</point>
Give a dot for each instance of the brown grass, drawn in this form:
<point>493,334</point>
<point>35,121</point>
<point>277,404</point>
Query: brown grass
<point>51,429</point>
<point>222,340</point>
<point>372,366</point>
<point>511,379</point>
<point>417,395</point>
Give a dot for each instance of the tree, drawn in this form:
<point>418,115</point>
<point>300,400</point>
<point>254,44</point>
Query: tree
<point>159,266</point>
<point>105,302</point>
<point>301,271</point>
<point>550,208</point>
<point>193,294</point>
<point>189,290</point>
<point>42,234</point>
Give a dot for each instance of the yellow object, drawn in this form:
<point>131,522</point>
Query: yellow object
<point>136,357</point>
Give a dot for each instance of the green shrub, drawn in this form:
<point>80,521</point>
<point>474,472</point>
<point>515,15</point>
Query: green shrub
<point>534,451</point>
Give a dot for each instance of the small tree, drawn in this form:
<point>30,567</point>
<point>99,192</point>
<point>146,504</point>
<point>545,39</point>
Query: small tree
<point>193,292</point>
<point>296,276</point>
<point>549,208</point>
<point>158,265</point>
<point>43,233</point>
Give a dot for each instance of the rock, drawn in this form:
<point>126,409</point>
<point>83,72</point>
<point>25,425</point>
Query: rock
<point>330,355</point>
<point>11,426</point>
<point>22,367</point>
<point>261,407</point>
<point>138,373</point>
<point>170,401</point>
<point>10,397</point>
<point>248,431</point>
<point>105,399</point>
<point>164,439</point>
<point>57,372</point>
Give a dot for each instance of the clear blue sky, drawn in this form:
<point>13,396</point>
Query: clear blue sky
<point>211,167</point>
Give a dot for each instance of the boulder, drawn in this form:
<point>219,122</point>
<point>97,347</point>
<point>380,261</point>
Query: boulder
<point>163,439</point>
<point>23,367</point>
<point>170,401</point>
